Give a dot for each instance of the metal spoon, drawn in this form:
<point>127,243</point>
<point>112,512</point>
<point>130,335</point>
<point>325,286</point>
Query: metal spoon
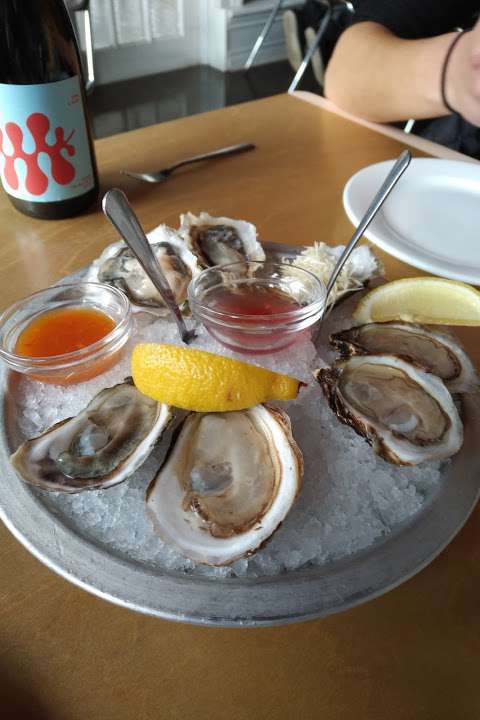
<point>387,186</point>
<point>162,175</point>
<point>119,211</point>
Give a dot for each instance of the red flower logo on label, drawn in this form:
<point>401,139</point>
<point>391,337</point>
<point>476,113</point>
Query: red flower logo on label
<point>36,182</point>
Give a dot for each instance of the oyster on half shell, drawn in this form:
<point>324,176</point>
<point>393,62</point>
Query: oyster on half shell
<point>407,414</point>
<point>437,352</point>
<point>221,240</point>
<point>320,259</point>
<point>227,483</point>
<point>100,447</point>
<point>118,266</point>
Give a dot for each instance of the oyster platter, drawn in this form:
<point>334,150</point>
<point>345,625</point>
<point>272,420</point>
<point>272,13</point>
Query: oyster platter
<point>354,472</point>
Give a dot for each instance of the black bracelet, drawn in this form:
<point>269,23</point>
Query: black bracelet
<point>443,77</point>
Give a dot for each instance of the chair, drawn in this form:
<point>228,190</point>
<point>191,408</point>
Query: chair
<point>263,34</point>
<point>83,6</point>
<point>333,8</point>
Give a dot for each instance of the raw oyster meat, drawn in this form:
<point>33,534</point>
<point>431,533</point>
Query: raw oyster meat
<point>119,267</point>
<point>221,240</point>
<point>227,483</point>
<point>100,447</point>
<point>407,414</point>
<point>437,352</point>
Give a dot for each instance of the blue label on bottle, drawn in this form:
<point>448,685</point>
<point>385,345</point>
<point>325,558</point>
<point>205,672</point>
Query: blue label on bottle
<point>44,150</point>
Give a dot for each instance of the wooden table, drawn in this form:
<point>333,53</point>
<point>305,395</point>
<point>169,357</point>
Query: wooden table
<point>67,655</point>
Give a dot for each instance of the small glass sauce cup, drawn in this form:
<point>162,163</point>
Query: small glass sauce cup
<point>257,307</point>
<point>79,365</point>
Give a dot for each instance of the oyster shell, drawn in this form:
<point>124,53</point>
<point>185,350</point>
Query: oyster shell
<point>118,266</point>
<point>221,240</point>
<point>320,259</point>
<point>437,352</point>
<point>227,483</point>
<point>407,414</point>
<point>100,447</point>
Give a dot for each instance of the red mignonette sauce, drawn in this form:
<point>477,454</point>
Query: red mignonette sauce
<point>248,304</point>
<point>252,300</point>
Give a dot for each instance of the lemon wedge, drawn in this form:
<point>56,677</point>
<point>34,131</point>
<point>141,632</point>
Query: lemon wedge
<point>427,300</point>
<point>204,382</point>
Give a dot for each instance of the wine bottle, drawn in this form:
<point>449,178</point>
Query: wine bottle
<point>47,160</point>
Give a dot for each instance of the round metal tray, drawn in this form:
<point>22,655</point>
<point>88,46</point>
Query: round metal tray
<point>293,596</point>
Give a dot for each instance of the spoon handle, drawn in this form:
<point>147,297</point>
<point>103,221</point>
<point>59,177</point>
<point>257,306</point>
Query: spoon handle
<point>120,213</point>
<point>387,186</point>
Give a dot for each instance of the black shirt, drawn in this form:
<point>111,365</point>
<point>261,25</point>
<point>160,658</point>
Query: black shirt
<point>416,19</point>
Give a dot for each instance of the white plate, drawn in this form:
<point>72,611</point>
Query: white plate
<point>432,218</point>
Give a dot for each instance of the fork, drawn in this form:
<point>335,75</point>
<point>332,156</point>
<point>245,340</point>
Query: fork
<point>162,175</point>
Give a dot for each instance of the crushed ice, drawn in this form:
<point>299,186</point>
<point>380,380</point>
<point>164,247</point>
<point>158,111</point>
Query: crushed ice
<point>350,497</point>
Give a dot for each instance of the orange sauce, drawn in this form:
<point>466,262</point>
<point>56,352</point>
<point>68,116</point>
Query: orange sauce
<point>62,331</point>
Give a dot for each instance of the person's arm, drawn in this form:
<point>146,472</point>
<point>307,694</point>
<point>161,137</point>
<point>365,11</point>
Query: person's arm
<point>381,77</point>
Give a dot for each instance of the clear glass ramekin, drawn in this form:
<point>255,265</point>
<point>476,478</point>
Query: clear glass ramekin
<point>257,333</point>
<point>79,365</point>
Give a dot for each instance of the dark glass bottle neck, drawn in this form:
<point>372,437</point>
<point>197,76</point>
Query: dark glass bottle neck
<point>37,42</point>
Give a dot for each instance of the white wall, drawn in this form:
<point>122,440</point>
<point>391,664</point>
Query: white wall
<point>143,37</point>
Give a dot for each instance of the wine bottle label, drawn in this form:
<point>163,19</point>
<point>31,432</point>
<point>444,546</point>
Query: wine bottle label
<point>44,150</point>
